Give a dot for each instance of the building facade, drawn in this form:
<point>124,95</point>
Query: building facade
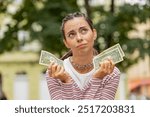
<point>23,78</point>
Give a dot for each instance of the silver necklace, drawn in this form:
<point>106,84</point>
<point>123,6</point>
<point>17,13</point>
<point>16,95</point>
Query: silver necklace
<point>81,67</point>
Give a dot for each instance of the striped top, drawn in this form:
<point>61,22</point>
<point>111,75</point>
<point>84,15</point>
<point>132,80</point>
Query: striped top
<point>91,89</point>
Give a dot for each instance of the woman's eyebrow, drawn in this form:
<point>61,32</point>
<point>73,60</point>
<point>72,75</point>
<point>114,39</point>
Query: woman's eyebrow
<point>83,27</point>
<point>71,31</point>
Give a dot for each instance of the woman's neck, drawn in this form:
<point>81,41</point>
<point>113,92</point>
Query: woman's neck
<point>83,59</point>
<point>82,62</point>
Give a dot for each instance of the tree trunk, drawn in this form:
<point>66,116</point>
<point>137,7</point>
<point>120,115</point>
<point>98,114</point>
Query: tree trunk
<point>109,40</point>
<point>87,7</point>
<point>112,5</point>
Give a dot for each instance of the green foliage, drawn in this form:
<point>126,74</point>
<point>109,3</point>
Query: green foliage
<point>42,18</point>
<point>50,19</point>
<point>115,28</point>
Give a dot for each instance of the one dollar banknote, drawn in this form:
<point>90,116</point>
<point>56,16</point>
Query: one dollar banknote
<point>115,53</point>
<point>46,58</point>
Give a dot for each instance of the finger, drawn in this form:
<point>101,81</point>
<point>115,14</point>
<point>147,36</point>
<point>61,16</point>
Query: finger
<point>49,69</point>
<point>48,72</point>
<point>106,64</point>
<point>103,67</point>
<point>59,73</point>
<point>58,68</point>
<point>61,70</point>
<point>112,66</point>
<point>112,62</point>
<point>50,65</point>
<point>54,67</point>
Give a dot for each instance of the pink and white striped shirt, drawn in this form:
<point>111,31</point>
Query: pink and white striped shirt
<point>94,89</point>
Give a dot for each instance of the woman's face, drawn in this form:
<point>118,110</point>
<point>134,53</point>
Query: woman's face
<point>79,36</point>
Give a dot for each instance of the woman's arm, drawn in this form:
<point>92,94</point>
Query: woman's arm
<point>54,87</point>
<point>59,90</point>
<point>103,89</point>
<point>110,84</point>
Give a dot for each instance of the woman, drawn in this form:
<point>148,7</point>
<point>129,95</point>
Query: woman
<point>78,80</point>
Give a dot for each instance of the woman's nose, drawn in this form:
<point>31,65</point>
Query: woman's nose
<point>79,38</point>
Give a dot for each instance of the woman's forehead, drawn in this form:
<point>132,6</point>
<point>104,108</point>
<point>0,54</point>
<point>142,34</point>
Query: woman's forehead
<point>76,22</point>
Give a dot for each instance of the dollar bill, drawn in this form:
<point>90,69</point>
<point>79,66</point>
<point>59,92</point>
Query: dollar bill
<point>115,53</point>
<point>113,47</point>
<point>119,47</point>
<point>46,58</point>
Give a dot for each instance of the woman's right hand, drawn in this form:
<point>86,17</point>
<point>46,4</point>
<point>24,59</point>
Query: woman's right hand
<point>58,72</point>
<point>106,68</point>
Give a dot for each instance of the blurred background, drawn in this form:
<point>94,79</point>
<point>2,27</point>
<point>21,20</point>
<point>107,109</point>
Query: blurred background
<point>28,26</point>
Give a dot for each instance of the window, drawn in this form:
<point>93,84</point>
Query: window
<point>21,86</point>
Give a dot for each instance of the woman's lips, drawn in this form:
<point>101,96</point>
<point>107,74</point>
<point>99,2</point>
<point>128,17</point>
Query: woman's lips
<point>81,45</point>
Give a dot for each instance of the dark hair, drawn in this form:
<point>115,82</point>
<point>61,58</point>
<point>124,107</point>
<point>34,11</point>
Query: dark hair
<point>73,15</point>
<point>69,17</point>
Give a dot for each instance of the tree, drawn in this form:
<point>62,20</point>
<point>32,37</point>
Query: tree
<point>114,26</point>
<point>119,27</point>
<point>42,19</point>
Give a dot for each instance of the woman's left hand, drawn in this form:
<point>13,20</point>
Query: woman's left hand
<point>106,68</point>
<point>58,72</point>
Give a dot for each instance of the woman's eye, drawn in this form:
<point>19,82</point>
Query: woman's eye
<point>83,31</point>
<point>71,35</point>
